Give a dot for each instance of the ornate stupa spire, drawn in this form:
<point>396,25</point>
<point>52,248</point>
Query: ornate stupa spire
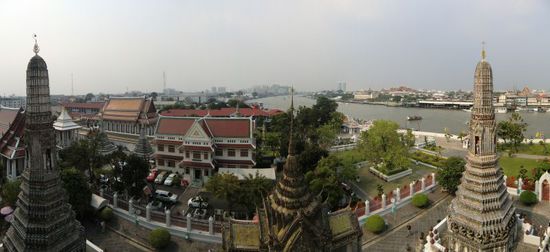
<point>43,220</point>
<point>143,147</point>
<point>481,217</point>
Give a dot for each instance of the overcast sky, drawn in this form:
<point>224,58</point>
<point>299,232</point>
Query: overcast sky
<point>110,46</point>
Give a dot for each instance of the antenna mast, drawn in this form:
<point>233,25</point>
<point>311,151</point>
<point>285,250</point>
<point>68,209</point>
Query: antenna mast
<point>72,84</point>
<point>164,81</point>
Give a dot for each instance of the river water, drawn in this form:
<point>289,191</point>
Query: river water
<point>433,120</point>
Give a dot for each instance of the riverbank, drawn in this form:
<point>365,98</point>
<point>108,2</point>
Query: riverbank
<point>433,120</point>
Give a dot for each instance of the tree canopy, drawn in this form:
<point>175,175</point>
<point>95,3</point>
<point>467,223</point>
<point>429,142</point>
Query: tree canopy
<point>385,147</point>
<point>511,130</point>
<point>450,174</point>
<point>247,192</point>
<point>77,189</point>
<point>10,191</point>
<point>328,177</point>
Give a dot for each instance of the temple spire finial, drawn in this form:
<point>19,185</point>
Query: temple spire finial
<point>36,48</point>
<point>290,141</point>
<point>483,53</point>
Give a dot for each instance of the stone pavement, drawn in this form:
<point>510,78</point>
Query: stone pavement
<point>122,236</point>
<point>421,220</point>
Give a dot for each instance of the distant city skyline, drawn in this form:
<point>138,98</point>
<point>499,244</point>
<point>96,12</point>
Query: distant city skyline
<point>112,47</point>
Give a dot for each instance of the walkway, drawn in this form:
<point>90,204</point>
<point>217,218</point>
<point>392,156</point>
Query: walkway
<point>396,238</point>
<point>528,156</point>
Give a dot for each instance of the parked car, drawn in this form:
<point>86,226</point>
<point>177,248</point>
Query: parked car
<point>199,213</point>
<point>152,175</point>
<point>166,196</point>
<point>160,178</point>
<point>198,202</point>
<point>170,179</point>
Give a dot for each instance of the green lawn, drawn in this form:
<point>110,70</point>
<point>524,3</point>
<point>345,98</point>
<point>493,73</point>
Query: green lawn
<point>534,149</point>
<point>512,165</point>
<point>369,182</point>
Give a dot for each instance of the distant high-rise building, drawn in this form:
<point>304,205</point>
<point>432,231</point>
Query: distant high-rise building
<point>222,90</point>
<point>43,220</point>
<point>342,86</point>
<point>214,90</point>
<point>482,216</point>
<point>13,102</point>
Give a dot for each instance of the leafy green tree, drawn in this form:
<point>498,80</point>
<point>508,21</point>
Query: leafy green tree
<point>251,190</point>
<point>328,176</point>
<point>385,147</point>
<point>512,130</point>
<point>78,191</point>
<point>324,107</point>
<point>309,158</point>
<point>159,238</point>
<point>10,191</point>
<point>380,189</point>
<point>106,214</point>
<point>449,176</point>
<point>408,138</point>
<point>133,173</point>
<point>89,97</point>
<point>225,186</point>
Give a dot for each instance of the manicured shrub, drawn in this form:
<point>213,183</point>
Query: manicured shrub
<point>106,214</point>
<point>375,224</point>
<point>420,200</point>
<point>159,238</point>
<point>528,198</point>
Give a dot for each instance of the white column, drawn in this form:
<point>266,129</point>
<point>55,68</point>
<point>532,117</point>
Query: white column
<point>505,178</point>
<point>411,186</point>
<point>115,200</point>
<point>101,192</point>
<point>398,194</point>
<point>148,212</point>
<point>211,225</point>
<point>520,185</point>
<point>367,207</point>
<point>168,220</point>
<point>383,201</point>
<point>423,181</point>
<point>433,178</point>
<point>189,222</point>
<point>131,206</point>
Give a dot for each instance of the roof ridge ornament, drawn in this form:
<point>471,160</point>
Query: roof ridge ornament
<point>36,48</point>
<point>483,53</point>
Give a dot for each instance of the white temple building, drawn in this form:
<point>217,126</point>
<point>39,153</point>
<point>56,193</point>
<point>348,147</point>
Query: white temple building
<point>66,130</point>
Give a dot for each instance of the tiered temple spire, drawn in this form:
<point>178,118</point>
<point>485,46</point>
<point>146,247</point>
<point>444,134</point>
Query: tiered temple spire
<point>143,147</point>
<point>43,220</point>
<point>481,217</point>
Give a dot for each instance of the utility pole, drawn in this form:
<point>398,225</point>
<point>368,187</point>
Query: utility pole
<point>72,85</point>
<point>164,81</point>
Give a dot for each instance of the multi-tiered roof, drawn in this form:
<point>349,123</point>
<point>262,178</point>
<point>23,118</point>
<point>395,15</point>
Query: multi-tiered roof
<point>481,217</point>
<point>43,220</point>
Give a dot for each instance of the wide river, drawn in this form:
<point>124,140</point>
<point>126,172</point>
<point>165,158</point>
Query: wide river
<point>433,120</point>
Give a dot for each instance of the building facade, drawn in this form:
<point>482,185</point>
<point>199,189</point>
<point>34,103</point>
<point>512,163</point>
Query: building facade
<point>123,117</point>
<point>66,130</point>
<point>43,221</point>
<point>12,148</point>
<point>13,102</point>
<point>482,216</point>
<point>195,147</point>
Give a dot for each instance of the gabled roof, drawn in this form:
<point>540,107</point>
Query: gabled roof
<point>7,115</point>
<point>65,122</point>
<point>214,127</point>
<point>128,109</point>
<point>11,142</point>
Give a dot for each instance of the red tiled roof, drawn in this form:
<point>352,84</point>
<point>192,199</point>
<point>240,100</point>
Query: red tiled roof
<point>223,112</point>
<point>214,127</point>
<point>174,126</point>
<point>229,127</point>
<point>9,146</point>
<point>129,109</point>
<point>7,115</point>
<point>84,105</point>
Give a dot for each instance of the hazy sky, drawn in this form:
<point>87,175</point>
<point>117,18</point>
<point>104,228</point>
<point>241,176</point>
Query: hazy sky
<point>113,45</point>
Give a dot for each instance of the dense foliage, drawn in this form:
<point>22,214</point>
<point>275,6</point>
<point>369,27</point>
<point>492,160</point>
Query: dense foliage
<point>511,131</point>
<point>10,191</point>
<point>77,190</point>
<point>450,174</point>
<point>528,198</point>
<point>247,192</point>
<point>385,147</point>
<point>132,172</point>
<point>428,158</point>
<point>328,177</point>
<point>375,224</point>
<point>159,238</point>
<point>420,200</point>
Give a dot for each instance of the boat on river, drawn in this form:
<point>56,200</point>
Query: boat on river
<point>414,118</point>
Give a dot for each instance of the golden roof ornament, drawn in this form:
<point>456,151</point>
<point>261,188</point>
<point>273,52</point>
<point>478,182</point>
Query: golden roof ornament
<point>36,48</point>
